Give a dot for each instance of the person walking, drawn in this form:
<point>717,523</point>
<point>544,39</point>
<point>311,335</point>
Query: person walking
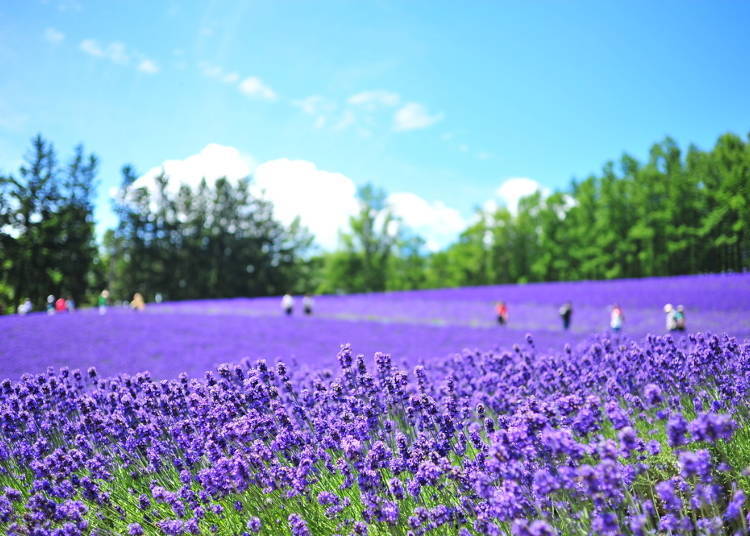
<point>307,304</point>
<point>616,318</point>
<point>287,304</point>
<point>103,301</point>
<point>566,314</point>
<point>501,310</point>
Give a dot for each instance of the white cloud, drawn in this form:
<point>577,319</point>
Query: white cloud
<point>484,155</point>
<point>513,189</point>
<point>92,48</point>
<point>147,66</point>
<point>53,36</point>
<point>253,86</point>
<point>413,116</point>
<point>118,53</point>
<point>373,99</point>
<point>438,223</point>
<point>323,200</point>
<point>212,162</point>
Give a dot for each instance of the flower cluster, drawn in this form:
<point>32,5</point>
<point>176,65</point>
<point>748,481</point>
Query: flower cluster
<point>611,437</point>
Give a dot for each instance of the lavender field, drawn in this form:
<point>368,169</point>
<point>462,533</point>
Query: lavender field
<point>225,417</point>
<point>413,326</point>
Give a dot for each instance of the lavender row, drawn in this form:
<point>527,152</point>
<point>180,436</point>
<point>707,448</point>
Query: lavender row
<point>614,436</point>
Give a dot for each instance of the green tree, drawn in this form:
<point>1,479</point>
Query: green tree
<point>210,241</point>
<point>363,262</point>
<point>46,231</point>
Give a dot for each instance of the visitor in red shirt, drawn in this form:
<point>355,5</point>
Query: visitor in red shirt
<point>502,313</point>
<point>60,305</point>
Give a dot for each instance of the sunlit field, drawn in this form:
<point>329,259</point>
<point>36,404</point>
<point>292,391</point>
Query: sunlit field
<point>227,417</point>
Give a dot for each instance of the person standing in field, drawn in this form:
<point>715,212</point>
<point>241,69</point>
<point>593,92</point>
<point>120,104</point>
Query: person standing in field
<point>138,303</point>
<point>307,304</point>
<point>102,302</point>
<point>679,318</point>
<point>616,318</point>
<point>70,304</point>
<point>61,305</point>
<point>25,307</point>
<point>50,304</point>
<point>671,321</point>
<point>502,313</point>
<point>566,314</point>
<point>287,304</point>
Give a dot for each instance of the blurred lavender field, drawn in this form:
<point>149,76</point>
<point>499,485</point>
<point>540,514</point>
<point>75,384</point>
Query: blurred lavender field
<point>413,326</point>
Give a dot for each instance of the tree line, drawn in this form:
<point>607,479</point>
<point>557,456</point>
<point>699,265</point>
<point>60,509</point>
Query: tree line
<point>678,212</point>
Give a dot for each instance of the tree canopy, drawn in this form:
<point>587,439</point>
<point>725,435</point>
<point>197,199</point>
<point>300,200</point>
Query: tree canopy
<point>677,212</point>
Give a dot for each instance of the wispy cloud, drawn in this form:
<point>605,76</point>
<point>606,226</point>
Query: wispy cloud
<point>414,116</point>
<point>318,107</point>
<point>314,105</point>
<point>347,119</point>
<point>148,67</point>
<point>92,48</point>
<point>53,36</point>
<point>374,99</point>
<point>367,111</point>
<point>253,87</point>
<point>210,70</point>
<point>118,53</point>
<point>250,86</point>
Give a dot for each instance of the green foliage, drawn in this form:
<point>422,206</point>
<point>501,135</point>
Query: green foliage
<point>675,214</point>
<point>211,241</point>
<point>679,212</point>
<point>363,264</point>
<point>47,226</point>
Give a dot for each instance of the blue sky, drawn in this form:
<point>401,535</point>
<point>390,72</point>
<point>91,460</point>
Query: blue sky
<point>438,102</point>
